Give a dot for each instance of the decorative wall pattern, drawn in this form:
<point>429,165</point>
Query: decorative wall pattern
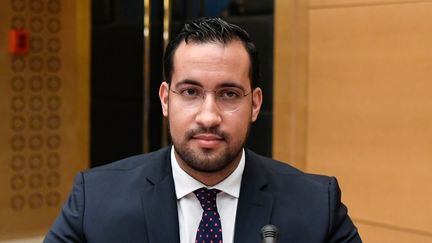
<point>35,106</point>
<point>43,110</point>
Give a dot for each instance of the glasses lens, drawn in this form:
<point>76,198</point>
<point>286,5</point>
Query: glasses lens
<point>229,99</point>
<point>190,96</point>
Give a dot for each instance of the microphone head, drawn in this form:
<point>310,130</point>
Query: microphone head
<point>269,232</point>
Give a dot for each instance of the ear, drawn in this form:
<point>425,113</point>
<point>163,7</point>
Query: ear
<point>163,96</point>
<point>256,103</point>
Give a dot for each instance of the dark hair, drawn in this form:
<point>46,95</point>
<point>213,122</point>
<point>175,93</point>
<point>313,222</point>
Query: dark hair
<point>204,30</point>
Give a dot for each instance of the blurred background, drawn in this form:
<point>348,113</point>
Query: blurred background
<point>347,92</point>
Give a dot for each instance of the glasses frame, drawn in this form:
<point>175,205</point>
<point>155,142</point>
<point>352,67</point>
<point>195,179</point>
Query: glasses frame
<point>203,97</point>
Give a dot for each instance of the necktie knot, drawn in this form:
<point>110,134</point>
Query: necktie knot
<point>207,198</point>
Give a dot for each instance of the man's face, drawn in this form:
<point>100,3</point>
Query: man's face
<point>207,138</point>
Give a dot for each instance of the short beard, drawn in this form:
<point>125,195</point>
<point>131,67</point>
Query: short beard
<point>206,160</point>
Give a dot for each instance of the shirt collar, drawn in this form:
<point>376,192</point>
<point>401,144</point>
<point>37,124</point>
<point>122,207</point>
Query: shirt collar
<point>185,184</point>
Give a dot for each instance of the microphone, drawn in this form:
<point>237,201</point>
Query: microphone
<point>269,234</point>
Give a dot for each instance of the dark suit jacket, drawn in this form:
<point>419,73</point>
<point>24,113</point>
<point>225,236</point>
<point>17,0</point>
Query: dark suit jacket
<point>133,200</point>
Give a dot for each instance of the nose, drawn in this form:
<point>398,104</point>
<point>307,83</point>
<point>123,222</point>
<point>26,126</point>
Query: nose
<point>208,115</point>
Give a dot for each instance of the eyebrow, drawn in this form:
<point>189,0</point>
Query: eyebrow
<point>188,81</point>
<point>222,85</point>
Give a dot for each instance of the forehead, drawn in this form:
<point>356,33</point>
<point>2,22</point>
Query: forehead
<point>211,63</point>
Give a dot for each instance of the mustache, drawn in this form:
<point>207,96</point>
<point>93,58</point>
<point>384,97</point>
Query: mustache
<point>213,130</point>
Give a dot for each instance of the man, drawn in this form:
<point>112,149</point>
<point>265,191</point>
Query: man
<point>206,187</point>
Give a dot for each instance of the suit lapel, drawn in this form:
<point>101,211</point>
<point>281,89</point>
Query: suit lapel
<point>160,204</point>
<point>255,205</point>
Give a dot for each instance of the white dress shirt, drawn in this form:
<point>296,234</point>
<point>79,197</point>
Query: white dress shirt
<point>189,208</point>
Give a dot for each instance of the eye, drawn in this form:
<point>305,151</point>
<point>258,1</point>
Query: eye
<point>190,92</point>
<point>230,93</point>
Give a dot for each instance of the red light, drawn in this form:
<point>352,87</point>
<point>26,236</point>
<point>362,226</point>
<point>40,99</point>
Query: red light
<point>18,42</point>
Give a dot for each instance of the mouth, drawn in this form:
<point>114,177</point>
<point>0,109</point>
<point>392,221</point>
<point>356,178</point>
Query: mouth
<point>208,140</point>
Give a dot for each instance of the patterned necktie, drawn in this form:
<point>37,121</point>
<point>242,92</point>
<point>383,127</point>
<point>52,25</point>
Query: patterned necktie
<point>209,229</point>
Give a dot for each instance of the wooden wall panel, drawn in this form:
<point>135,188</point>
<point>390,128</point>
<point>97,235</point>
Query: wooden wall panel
<point>369,112</point>
<point>351,3</point>
<point>290,80</point>
<point>44,106</point>
<point>372,233</point>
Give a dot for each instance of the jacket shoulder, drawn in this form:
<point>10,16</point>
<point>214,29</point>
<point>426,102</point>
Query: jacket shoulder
<point>133,162</point>
<point>279,169</point>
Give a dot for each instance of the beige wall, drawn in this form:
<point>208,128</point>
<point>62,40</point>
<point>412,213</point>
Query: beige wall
<point>365,107</point>
<point>44,105</point>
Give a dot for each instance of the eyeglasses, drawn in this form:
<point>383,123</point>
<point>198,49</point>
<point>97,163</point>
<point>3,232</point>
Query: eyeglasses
<point>227,98</point>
